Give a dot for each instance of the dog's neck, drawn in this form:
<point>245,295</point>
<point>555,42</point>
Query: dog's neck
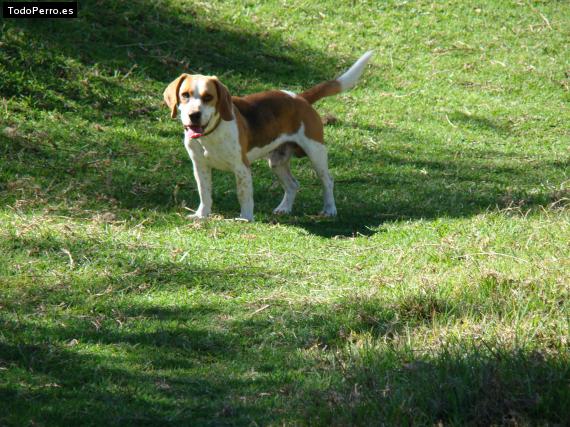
<point>214,127</point>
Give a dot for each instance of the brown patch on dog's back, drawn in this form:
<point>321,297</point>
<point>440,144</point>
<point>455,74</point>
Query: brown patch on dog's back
<point>273,113</point>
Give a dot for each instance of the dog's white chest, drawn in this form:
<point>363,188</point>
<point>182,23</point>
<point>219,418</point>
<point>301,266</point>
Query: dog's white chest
<point>220,156</point>
<point>222,149</point>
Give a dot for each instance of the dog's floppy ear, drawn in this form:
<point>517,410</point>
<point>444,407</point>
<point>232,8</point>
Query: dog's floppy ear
<point>171,96</point>
<point>224,104</point>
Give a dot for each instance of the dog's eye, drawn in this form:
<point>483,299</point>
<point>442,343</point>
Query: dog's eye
<point>207,98</point>
<point>186,95</point>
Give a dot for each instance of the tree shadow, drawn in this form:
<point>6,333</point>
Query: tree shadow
<point>161,366</point>
<point>103,390</point>
<point>464,385</point>
<point>153,40</point>
<point>89,347</point>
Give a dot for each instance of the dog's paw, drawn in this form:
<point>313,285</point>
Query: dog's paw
<point>328,212</point>
<point>281,211</point>
<point>196,217</point>
<point>202,212</point>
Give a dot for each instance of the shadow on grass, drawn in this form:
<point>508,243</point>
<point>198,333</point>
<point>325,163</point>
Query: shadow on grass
<point>140,385</point>
<point>478,123</point>
<point>152,40</point>
<point>134,348</point>
<point>464,385</point>
<point>168,367</point>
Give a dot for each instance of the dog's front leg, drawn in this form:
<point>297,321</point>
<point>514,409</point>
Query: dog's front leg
<point>203,176</point>
<point>245,192</point>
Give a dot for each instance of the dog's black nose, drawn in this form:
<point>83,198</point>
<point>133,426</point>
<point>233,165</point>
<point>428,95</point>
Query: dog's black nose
<point>195,117</point>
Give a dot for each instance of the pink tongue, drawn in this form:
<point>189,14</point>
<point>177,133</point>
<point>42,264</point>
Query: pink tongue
<point>194,131</point>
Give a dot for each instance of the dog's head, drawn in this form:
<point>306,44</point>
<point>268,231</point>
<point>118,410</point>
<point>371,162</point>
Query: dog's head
<point>200,100</point>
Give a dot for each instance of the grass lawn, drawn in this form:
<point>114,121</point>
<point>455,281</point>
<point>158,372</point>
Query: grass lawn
<point>440,294</point>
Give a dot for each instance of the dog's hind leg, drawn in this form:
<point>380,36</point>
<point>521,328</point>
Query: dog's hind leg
<point>318,155</point>
<point>244,192</point>
<point>279,160</point>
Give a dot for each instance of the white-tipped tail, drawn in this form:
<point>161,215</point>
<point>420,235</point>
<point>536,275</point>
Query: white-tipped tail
<point>344,82</point>
<point>350,77</point>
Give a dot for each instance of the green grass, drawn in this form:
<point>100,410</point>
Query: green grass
<point>440,295</point>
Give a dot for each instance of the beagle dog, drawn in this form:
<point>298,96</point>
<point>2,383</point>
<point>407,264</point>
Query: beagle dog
<point>229,133</point>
